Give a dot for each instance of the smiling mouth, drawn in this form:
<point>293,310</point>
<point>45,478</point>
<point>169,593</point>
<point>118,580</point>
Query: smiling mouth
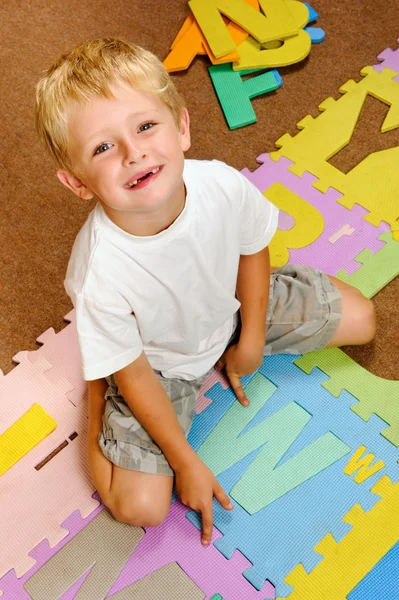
<point>137,181</point>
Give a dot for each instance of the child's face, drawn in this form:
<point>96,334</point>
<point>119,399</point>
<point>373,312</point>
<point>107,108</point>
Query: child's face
<point>115,142</point>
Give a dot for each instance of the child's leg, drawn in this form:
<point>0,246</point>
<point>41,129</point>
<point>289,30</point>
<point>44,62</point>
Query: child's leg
<point>140,499</point>
<point>136,482</point>
<point>132,497</point>
<point>309,310</point>
<point>358,320</point>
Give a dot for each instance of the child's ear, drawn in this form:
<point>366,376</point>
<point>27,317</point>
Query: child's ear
<point>185,140</point>
<point>74,184</point>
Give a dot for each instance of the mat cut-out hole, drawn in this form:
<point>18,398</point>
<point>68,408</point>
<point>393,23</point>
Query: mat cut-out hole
<point>367,134</point>
<point>56,451</point>
<point>51,455</point>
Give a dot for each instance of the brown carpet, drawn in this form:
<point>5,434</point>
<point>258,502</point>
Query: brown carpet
<point>39,219</point>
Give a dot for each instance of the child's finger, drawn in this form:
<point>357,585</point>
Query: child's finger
<point>222,497</point>
<point>207,524</point>
<point>236,384</point>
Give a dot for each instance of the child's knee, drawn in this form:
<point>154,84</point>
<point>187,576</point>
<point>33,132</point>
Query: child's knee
<point>139,509</point>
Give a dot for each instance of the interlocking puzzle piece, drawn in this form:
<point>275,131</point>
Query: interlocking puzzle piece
<point>375,395</point>
<point>377,270</point>
<point>61,486</point>
<point>389,60</point>
<point>322,137</point>
<point>300,518</point>
<point>346,562</point>
<point>174,541</point>
<point>203,399</point>
<point>293,50</point>
<point>235,94</point>
<point>62,351</point>
<point>177,540</point>
<point>23,435</point>
<point>13,587</point>
<point>384,577</point>
<point>321,253</point>
<point>104,544</point>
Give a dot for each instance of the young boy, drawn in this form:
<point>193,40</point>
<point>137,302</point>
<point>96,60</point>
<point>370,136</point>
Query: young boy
<point>169,275</point>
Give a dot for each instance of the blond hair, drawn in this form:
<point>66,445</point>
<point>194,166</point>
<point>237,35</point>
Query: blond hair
<point>87,72</point>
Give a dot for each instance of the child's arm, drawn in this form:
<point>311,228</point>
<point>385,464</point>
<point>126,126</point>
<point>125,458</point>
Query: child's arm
<point>195,482</point>
<point>253,292</point>
<point>253,284</point>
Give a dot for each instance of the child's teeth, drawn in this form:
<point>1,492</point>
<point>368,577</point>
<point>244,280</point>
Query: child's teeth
<point>136,181</point>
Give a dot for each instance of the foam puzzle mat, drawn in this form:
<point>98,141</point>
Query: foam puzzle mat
<point>311,465</point>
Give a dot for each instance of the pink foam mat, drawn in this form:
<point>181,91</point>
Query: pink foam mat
<point>389,60</point>
<point>177,540</point>
<point>47,496</point>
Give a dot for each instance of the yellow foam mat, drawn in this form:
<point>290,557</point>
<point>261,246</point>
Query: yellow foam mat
<point>347,562</point>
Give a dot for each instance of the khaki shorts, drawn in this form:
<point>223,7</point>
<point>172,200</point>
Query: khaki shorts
<point>303,315</point>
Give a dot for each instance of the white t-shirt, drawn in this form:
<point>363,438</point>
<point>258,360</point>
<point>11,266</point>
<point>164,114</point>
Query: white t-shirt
<point>171,294</point>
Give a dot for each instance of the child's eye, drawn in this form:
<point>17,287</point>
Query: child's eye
<point>146,126</point>
<point>102,148</point>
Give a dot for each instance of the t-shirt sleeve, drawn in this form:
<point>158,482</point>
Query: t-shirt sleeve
<point>258,218</point>
<point>108,336</point>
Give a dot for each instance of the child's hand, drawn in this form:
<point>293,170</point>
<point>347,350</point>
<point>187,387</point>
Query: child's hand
<point>238,362</point>
<point>196,486</point>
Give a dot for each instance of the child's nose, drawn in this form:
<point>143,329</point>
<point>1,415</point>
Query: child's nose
<point>132,152</point>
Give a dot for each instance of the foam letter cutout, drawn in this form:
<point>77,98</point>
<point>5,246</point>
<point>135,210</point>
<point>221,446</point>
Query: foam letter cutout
<point>275,11</point>
<point>169,583</point>
<point>190,41</point>
<point>263,482</point>
<point>361,463</point>
<point>232,27</point>
<point>309,223</point>
<point>207,14</point>
<point>23,435</point>
<point>276,434</point>
<point>234,94</point>
<point>293,50</point>
<point>374,182</point>
<point>103,546</point>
